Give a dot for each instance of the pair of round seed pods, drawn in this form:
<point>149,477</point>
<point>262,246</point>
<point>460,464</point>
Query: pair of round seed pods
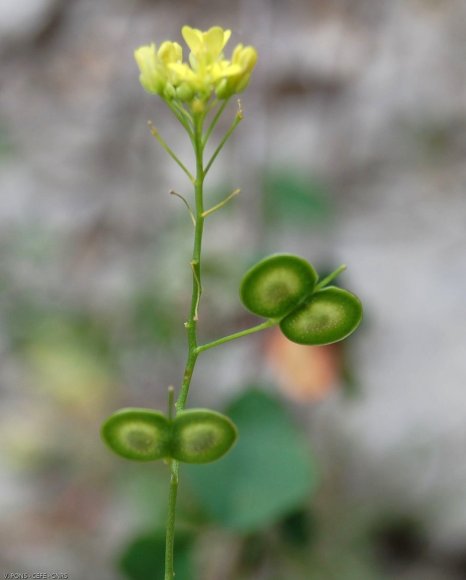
<point>282,287</point>
<point>285,287</point>
<point>193,436</point>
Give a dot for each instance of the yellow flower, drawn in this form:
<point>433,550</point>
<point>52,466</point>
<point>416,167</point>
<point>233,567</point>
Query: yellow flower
<point>149,78</point>
<point>156,76</point>
<point>163,72</point>
<point>206,47</point>
<point>170,52</point>
<point>238,73</point>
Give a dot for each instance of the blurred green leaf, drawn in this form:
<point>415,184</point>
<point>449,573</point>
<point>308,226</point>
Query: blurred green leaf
<point>144,558</point>
<point>299,528</point>
<point>269,473</point>
<point>294,197</point>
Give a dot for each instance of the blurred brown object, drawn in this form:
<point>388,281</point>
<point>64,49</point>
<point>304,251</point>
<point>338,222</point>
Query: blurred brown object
<point>304,373</point>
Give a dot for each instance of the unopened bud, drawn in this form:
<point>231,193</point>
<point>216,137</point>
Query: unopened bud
<point>185,92</point>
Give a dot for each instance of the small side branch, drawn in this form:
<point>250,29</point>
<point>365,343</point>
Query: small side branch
<point>184,113</point>
<point>184,200</point>
<point>238,118</point>
<point>221,204</point>
<point>183,117</point>
<point>267,324</point>
<point>212,126</point>
<point>162,142</point>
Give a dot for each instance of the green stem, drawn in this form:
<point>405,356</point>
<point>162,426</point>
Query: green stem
<point>170,538</point>
<point>198,141</point>
<point>330,277</point>
<point>268,324</point>
<point>191,324</point>
<point>191,327</point>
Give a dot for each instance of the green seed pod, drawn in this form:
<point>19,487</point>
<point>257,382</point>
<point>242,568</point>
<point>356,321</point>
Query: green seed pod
<point>274,286</point>
<point>201,436</point>
<point>138,434</point>
<point>327,316</point>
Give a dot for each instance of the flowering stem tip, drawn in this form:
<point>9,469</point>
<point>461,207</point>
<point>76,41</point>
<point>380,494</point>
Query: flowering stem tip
<point>207,72</point>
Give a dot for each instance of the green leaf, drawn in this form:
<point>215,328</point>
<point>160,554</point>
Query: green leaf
<point>144,558</point>
<point>328,316</point>
<point>138,434</point>
<point>201,436</point>
<point>299,528</point>
<point>276,284</point>
<point>269,472</point>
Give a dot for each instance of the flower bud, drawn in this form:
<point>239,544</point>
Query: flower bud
<point>238,72</point>
<point>185,92</point>
<point>198,106</point>
<point>170,52</point>
<point>169,92</point>
<point>222,90</point>
<point>150,77</point>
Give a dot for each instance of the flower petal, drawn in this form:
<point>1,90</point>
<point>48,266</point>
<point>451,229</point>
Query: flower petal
<point>193,38</point>
<point>170,52</point>
<point>183,72</point>
<point>214,40</point>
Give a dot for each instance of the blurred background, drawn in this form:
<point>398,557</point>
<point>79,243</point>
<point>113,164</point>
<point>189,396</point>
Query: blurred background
<point>351,463</point>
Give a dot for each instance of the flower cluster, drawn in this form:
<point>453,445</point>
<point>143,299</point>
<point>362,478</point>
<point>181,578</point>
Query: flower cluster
<point>164,73</point>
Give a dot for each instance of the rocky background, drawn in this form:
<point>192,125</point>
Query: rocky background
<point>352,150</point>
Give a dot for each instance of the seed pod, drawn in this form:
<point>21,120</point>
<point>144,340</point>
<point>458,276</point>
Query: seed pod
<point>274,286</point>
<point>138,434</point>
<point>201,436</point>
<point>327,316</point>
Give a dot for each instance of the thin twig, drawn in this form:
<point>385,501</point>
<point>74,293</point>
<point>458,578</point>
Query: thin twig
<point>162,142</point>
<point>185,201</point>
<point>221,204</point>
<point>214,122</point>
<point>238,118</point>
<point>330,277</point>
<point>184,117</point>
